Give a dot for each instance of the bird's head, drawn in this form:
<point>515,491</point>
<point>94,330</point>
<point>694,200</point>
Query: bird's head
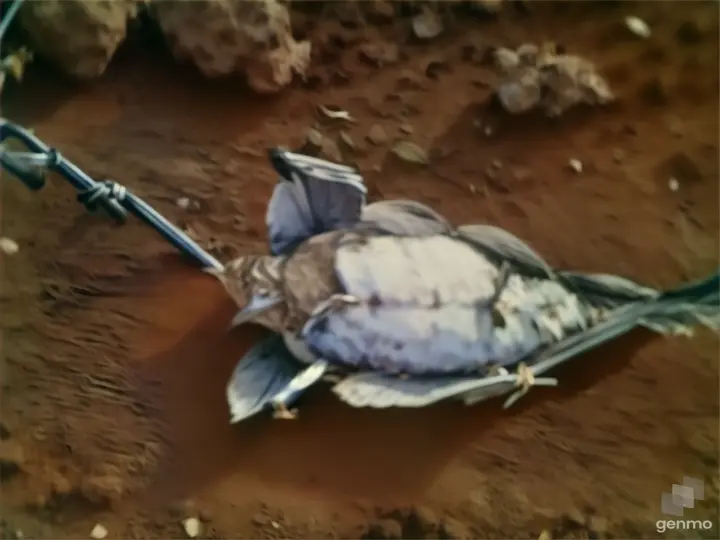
<point>253,282</point>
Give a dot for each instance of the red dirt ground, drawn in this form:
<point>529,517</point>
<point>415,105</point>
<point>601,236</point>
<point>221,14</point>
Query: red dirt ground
<point>115,354</point>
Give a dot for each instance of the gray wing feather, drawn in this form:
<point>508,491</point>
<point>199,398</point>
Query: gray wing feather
<point>504,246</point>
<point>313,196</point>
<point>407,218</point>
<point>265,370</point>
<point>381,391</point>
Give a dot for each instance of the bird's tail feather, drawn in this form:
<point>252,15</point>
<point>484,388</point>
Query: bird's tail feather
<point>676,311</point>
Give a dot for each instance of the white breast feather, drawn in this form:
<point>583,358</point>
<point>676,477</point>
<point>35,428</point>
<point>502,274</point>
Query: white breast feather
<point>433,314</point>
<point>417,271</point>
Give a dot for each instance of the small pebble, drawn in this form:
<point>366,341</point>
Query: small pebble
<point>576,165</point>
<point>674,184</point>
<point>506,59</point>
<point>313,137</point>
<point>407,129</point>
<point>192,527</point>
<point>8,246</point>
<point>377,135</point>
<point>638,27</point>
<point>427,25</point>
<point>347,140</point>
<point>183,202</point>
<point>618,155</point>
<point>98,532</point>
<point>274,524</point>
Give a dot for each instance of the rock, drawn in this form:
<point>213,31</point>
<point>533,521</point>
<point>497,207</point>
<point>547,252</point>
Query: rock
<point>8,246</point>
<point>427,25</point>
<point>638,27</point>
<point>79,36</point>
<point>377,135</point>
<point>506,59</point>
<point>570,80</point>
<point>222,37</point>
<point>618,155</point>
<point>542,77</point>
<point>379,53</point>
<point>406,129</point>
<point>98,532</point>
<point>521,92</point>
<point>314,139</point>
<point>192,527</point>
<point>576,165</point>
<point>410,152</point>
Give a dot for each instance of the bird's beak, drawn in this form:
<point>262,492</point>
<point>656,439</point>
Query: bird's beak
<point>255,307</point>
<point>215,272</point>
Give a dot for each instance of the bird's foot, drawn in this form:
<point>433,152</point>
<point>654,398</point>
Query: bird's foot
<point>281,412</point>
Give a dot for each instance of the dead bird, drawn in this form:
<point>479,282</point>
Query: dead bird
<point>405,316</point>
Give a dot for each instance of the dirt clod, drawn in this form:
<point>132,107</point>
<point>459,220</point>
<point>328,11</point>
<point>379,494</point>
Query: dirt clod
<point>379,53</point>
<point>377,135</point>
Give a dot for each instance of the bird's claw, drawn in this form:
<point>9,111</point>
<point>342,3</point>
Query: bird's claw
<point>281,412</point>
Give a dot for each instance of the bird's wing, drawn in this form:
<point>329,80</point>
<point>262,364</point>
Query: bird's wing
<point>380,391</point>
<point>404,218</point>
<point>261,374</point>
<point>504,247</point>
<point>312,196</point>
<point>434,305</point>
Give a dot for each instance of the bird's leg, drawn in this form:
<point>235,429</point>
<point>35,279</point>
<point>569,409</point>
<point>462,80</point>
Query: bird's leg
<point>501,282</point>
<point>295,388</point>
<point>281,412</point>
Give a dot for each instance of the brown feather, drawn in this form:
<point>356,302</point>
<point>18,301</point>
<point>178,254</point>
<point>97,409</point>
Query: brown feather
<point>309,276</point>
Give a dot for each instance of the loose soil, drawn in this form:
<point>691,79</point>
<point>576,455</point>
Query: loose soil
<point>116,354</point>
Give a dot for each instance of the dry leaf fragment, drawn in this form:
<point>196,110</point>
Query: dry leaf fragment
<point>410,152</point>
<point>335,113</point>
